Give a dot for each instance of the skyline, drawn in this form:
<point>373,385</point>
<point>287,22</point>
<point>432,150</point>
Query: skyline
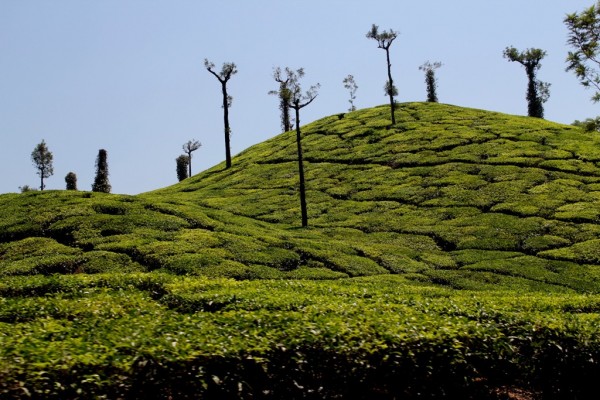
<point>129,77</point>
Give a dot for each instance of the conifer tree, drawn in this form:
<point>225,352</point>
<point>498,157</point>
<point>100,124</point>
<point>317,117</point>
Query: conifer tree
<point>71,181</point>
<point>183,162</point>
<point>101,183</point>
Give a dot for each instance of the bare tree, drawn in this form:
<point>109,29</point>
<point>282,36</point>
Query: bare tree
<point>384,41</point>
<point>227,71</point>
<point>291,77</point>
<point>297,101</point>
<point>352,87</point>
<point>188,148</point>
<point>42,160</point>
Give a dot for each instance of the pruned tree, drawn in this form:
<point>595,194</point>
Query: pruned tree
<point>352,87</point>
<point>285,78</point>
<point>538,92</point>
<point>183,163</point>
<point>384,41</point>
<point>42,161</point>
<point>71,181</point>
<point>584,37</point>
<point>101,183</point>
<point>297,101</point>
<point>189,148</point>
<point>430,79</point>
<point>227,71</point>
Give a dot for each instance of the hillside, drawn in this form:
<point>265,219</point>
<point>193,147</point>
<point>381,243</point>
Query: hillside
<point>455,253</point>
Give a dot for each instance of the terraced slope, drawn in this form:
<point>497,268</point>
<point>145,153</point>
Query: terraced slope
<point>452,196</point>
<point>454,255</point>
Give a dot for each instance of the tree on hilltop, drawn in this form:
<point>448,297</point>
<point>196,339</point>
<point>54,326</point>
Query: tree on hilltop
<point>189,148</point>
<point>285,78</point>
<point>352,87</point>
<point>183,162</point>
<point>538,92</point>
<point>384,41</point>
<point>42,160</point>
<point>227,71</point>
<point>101,183</point>
<point>430,79</point>
<point>71,181</point>
<point>584,36</point>
<point>297,101</point>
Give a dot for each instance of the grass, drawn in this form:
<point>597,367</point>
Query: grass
<point>457,249</point>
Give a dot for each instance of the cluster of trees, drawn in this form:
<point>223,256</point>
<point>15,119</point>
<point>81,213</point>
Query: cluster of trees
<point>43,158</point>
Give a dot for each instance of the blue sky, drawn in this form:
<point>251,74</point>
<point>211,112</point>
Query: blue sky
<point>128,75</point>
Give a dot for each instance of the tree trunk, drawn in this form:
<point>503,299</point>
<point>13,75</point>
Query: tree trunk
<point>301,170</point>
<point>534,104</point>
<point>391,88</point>
<point>189,164</point>
<point>226,122</point>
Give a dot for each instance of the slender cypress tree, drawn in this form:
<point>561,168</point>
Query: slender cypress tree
<point>101,183</point>
<point>183,162</point>
<point>71,181</point>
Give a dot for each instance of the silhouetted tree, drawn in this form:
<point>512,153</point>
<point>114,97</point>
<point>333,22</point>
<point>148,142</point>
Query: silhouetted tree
<point>284,93</point>
<point>42,160</point>
<point>299,100</point>
<point>188,148</point>
<point>227,71</point>
<point>71,181</point>
<point>584,36</point>
<point>384,41</point>
<point>26,188</point>
<point>538,92</point>
<point>430,80</point>
<point>589,124</point>
<point>183,162</point>
<point>101,183</point>
<point>351,85</point>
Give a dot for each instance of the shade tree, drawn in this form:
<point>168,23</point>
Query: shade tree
<point>42,161</point>
<point>182,162</point>
<point>188,148</point>
<point>101,183</point>
<point>430,79</point>
<point>384,41</point>
<point>352,87</point>
<point>286,78</point>
<point>228,69</point>
<point>538,92</point>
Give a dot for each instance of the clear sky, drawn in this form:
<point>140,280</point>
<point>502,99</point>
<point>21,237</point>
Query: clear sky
<point>128,75</point>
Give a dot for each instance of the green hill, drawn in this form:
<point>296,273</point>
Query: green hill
<point>456,252</point>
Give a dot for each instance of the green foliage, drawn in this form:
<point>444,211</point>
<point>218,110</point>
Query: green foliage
<point>101,183</point>
<point>42,161</point>
<point>583,30</point>
<point>452,254</point>
<point>71,181</point>
<point>538,92</point>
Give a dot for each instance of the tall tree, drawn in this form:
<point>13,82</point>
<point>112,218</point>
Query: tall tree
<point>430,80</point>
<point>352,87</point>
<point>285,78</point>
<point>538,92</point>
<point>384,41</point>
<point>584,37</point>
<point>227,71</point>
<point>297,101</point>
<point>189,148</point>
<point>42,160</point>
<point>71,181</point>
<point>183,162</point>
<point>101,183</point>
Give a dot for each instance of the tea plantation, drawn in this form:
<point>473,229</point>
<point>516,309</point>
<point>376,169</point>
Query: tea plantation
<point>455,253</point>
